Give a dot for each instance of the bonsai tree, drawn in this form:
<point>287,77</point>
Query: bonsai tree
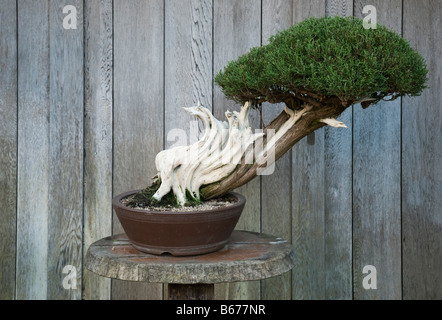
<point>317,68</point>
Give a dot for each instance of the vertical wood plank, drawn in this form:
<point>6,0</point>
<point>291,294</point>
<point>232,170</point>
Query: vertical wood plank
<point>421,159</point>
<point>308,227</point>
<point>305,9</point>
<point>188,64</point>
<point>98,137</point>
<point>237,28</point>
<point>338,193</point>
<point>376,182</point>
<point>33,150</point>
<point>308,276</point>
<point>343,8</point>
<point>8,147</point>
<point>65,227</point>
<point>276,188</point>
<point>138,109</point>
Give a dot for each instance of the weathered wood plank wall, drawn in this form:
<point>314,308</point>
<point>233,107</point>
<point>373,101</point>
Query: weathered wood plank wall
<point>377,181</point>
<point>421,160</point>
<point>84,111</point>
<point>138,109</point>
<point>65,220</point>
<point>98,129</point>
<point>33,150</point>
<point>8,147</point>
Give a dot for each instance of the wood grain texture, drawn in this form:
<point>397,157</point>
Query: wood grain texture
<point>33,150</point>
<point>338,193</point>
<point>8,147</point>
<point>276,187</point>
<point>307,201</point>
<point>343,8</point>
<point>98,136</point>
<point>303,9</point>
<point>237,28</point>
<point>190,291</point>
<point>247,256</point>
<point>377,182</point>
<point>421,160</point>
<point>188,66</point>
<point>138,109</point>
<point>308,227</point>
<point>66,116</point>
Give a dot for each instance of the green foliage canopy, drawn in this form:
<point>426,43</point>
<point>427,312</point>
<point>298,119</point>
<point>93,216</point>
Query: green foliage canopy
<point>326,58</point>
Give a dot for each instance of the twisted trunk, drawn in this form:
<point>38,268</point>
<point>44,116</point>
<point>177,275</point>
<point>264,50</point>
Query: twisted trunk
<point>311,120</point>
<point>229,155</point>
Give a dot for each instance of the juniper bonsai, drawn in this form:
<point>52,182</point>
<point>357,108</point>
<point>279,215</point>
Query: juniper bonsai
<point>317,68</point>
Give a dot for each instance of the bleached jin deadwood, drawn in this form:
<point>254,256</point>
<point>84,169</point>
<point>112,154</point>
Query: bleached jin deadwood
<point>221,150</point>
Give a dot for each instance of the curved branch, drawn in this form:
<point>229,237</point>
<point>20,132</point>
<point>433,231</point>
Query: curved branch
<point>306,124</point>
<point>229,155</point>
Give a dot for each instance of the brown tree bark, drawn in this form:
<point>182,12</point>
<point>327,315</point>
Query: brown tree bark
<point>309,122</point>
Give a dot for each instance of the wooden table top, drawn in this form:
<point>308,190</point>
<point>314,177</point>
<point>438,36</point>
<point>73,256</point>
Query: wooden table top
<point>247,256</point>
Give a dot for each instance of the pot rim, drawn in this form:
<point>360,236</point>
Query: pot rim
<point>116,202</point>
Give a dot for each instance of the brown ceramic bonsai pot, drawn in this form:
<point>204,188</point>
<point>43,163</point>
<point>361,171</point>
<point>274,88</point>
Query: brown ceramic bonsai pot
<point>178,233</point>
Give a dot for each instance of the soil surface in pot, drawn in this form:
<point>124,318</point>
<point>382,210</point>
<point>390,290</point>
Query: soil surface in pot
<point>223,201</point>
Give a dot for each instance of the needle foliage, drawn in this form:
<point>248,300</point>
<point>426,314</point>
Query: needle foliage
<point>326,58</point>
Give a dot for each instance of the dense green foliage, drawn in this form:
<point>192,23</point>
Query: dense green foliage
<point>322,58</point>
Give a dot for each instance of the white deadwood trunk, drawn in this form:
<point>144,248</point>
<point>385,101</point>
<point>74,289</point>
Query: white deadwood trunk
<point>219,153</point>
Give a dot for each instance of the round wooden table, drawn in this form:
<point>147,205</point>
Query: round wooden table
<point>247,256</point>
